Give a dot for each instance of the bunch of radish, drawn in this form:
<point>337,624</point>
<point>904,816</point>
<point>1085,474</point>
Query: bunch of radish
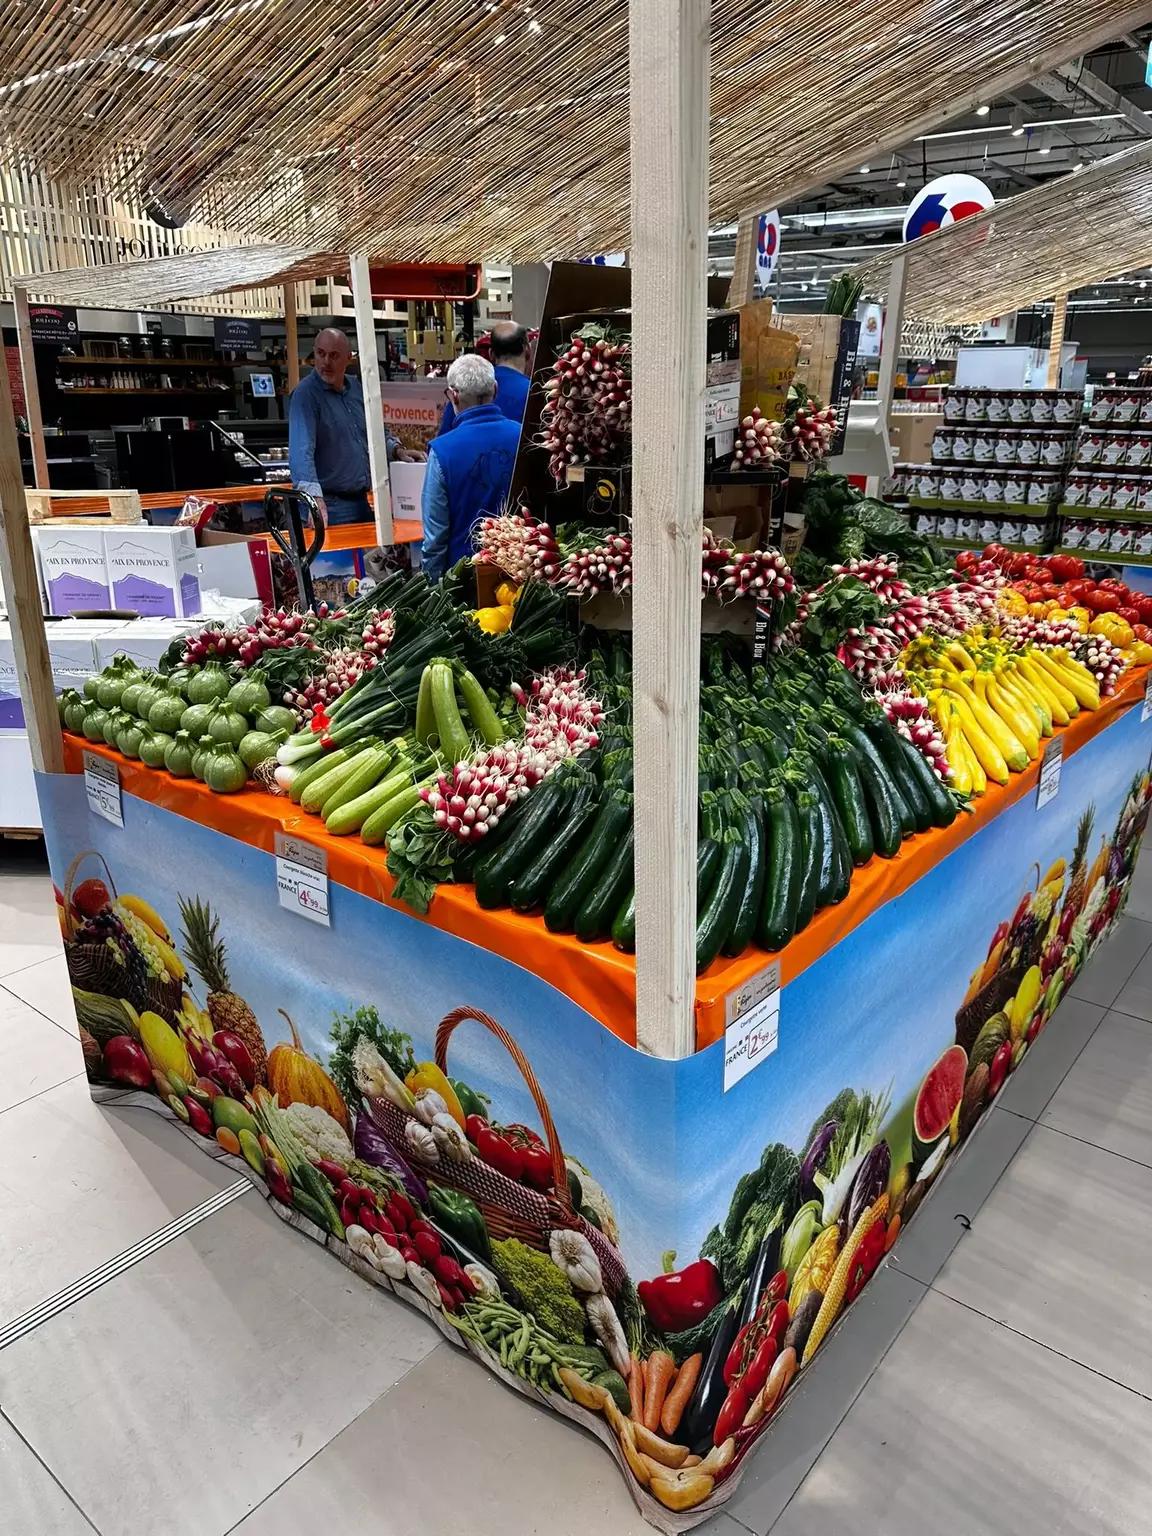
<point>910,714</point>
<point>604,567</point>
<point>587,413</point>
<point>810,430</point>
<point>276,630</point>
<point>561,720</point>
<point>760,442</point>
<point>342,668</point>
<point>728,573</point>
<point>879,574</point>
<point>519,545</point>
<point>1096,652</point>
<point>376,636</point>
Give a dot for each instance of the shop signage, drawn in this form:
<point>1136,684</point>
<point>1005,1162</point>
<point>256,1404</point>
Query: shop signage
<point>412,411</point>
<point>236,333</point>
<point>753,1024</point>
<point>54,324</point>
<point>1048,786</point>
<point>945,201</point>
<point>102,786</point>
<point>302,879</point>
<point>767,247</point>
<point>843,377</point>
<point>871,328</point>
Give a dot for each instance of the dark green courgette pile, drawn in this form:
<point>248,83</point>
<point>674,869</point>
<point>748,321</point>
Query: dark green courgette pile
<point>801,780</point>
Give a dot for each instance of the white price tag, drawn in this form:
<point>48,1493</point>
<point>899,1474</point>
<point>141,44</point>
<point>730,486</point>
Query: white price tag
<point>1048,786</point>
<point>102,785</point>
<point>753,1024</point>
<point>302,879</point>
<point>1146,711</point>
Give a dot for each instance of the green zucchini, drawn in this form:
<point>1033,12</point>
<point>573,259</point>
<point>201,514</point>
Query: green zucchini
<point>612,821</point>
<point>425,727</point>
<point>717,915</point>
<point>381,822</point>
<point>596,912</point>
<point>940,801</point>
<point>455,745</point>
<point>870,761</point>
<point>496,871</point>
<point>708,853</point>
<point>316,795</point>
<point>848,797</point>
<point>811,824</point>
<point>479,707</point>
<point>887,740</point>
<point>836,868</point>
<point>531,885</point>
<point>317,769</point>
<point>624,924</point>
<point>781,897</point>
<point>353,814</point>
<point>359,779</point>
<point>743,927</point>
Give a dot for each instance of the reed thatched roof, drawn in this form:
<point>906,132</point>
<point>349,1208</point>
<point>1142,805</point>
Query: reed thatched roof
<point>169,279</point>
<point>1083,228</point>
<point>453,129</point>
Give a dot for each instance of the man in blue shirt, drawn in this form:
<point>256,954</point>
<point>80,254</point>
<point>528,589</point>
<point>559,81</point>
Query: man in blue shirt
<point>509,351</point>
<point>328,436</point>
<point>470,468</point>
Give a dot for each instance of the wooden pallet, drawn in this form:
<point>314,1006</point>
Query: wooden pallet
<point>120,507</point>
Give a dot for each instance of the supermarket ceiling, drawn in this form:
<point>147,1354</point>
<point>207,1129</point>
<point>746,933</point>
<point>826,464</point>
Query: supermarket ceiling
<point>448,129</point>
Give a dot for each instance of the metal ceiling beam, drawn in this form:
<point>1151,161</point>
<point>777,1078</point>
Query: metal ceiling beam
<point>1071,83</point>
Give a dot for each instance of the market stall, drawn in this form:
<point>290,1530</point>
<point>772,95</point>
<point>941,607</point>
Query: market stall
<point>644,1197</point>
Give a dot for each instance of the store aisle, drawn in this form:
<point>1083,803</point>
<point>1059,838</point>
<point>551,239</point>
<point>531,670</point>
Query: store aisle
<point>150,1344</point>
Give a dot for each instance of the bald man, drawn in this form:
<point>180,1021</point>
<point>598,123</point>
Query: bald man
<point>510,354</point>
<point>328,437</point>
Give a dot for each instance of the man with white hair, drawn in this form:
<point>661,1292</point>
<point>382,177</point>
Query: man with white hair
<point>469,469</point>
<point>328,435</point>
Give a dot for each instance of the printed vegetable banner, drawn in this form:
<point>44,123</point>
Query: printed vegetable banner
<point>615,1236</point>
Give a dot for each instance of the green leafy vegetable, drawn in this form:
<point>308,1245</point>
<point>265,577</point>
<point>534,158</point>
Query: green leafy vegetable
<point>393,1044</point>
<point>855,1135</point>
<point>762,1200</point>
<point>844,604</point>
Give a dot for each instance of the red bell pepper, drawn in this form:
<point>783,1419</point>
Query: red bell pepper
<point>679,1299</point>
<point>866,1260</point>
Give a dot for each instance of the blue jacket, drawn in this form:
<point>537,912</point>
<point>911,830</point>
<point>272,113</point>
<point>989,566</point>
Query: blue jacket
<point>470,470</point>
<point>328,438</point>
<point>511,397</point>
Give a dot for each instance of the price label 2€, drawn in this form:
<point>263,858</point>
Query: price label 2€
<point>302,879</point>
<point>753,1024</point>
<point>1146,711</point>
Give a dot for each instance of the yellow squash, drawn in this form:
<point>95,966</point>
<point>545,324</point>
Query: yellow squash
<point>297,1078</point>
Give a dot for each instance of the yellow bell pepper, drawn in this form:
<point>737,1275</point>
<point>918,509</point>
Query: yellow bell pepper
<point>493,621</point>
<point>1012,602</point>
<point>1141,652</point>
<point>506,594</point>
<point>429,1075</point>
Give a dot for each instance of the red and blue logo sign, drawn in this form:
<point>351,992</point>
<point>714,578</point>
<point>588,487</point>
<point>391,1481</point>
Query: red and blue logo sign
<point>767,245</point>
<point>945,201</point>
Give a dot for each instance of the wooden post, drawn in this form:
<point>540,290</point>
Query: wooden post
<point>22,589</point>
<point>742,288</point>
<point>890,338</point>
<point>370,383</point>
<point>1056,341</point>
<point>669,73</point>
<point>31,386</point>
<point>291,338</point>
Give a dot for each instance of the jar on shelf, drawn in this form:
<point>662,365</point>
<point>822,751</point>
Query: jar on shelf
<point>1066,407</point>
<point>1144,496</point>
<point>1007,446</point>
<point>967,524</point>
<point>1043,407</point>
<point>1145,416</point>
<point>1124,493</point>
<point>1090,448</point>
<point>1142,539</point>
<point>1139,450</point>
<point>942,440</point>
<point>1042,488</point>
<point>972,484</point>
<point>1074,534</point>
<point>994,480</point>
<point>1015,486</point>
<point>1120,538</point>
<point>1028,449</point>
<point>997,410</point>
<point>946,525</point>
<point>1096,535</point>
<point>963,443</point>
<point>984,446</point>
<point>976,405</point>
<point>1053,449</point>
<point>1020,407</point>
<point>955,406</point>
<point>1101,406</point>
<point>1126,405</point>
<point>1076,488</point>
<point>950,481</point>
<point>1100,491</point>
<point>1115,449</point>
<point>928,483</point>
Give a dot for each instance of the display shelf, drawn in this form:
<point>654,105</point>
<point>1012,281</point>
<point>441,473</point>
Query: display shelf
<point>1138,471</point>
<point>1019,508</point>
<point>1104,514</point>
<point>81,361</point>
<point>1105,556</point>
<point>1016,549</point>
<point>91,390</point>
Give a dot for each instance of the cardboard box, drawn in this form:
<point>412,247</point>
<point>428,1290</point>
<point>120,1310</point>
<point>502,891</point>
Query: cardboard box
<point>154,571</point>
<point>911,434</point>
<point>406,483</point>
<point>71,652</point>
<point>143,641</point>
<point>768,357</point>
<point>237,565</point>
<point>74,568</point>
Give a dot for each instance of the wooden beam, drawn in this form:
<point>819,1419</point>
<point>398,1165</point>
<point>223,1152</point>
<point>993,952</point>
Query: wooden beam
<point>890,338</point>
<point>1056,341</point>
<point>25,615</point>
<point>291,335</point>
<point>31,386</point>
<point>742,288</point>
<point>669,70</point>
<point>370,383</point>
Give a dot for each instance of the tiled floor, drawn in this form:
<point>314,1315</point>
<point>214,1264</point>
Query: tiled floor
<point>236,1380</point>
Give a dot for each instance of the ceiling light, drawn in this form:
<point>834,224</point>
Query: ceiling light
<point>1143,283</point>
<point>901,184</point>
<point>1016,118</point>
<point>864,169</point>
<point>983,111</point>
<point>1079,166</point>
<point>803,287</point>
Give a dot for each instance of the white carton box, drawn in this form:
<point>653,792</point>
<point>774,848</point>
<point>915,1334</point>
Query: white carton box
<point>143,641</point>
<point>72,652</point>
<point>154,571</point>
<point>73,568</point>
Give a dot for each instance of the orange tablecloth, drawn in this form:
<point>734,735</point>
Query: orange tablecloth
<point>345,536</point>
<point>596,976</point>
